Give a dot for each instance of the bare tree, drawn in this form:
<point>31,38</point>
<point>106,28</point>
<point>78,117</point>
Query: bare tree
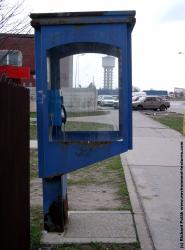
<point>135,89</point>
<point>12,21</point>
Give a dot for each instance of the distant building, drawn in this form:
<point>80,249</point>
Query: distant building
<point>108,91</point>
<point>66,72</point>
<point>179,92</point>
<point>156,92</point>
<point>140,93</point>
<point>18,50</point>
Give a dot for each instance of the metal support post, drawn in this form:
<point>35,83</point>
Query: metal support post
<point>55,203</point>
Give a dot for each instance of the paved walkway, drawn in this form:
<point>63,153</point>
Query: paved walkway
<point>94,226</point>
<point>154,164</point>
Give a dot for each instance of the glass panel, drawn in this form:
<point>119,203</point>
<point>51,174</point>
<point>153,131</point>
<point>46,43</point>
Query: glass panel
<point>3,57</point>
<point>89,86</point>
<point>13,58</point>
<point>83,92</point>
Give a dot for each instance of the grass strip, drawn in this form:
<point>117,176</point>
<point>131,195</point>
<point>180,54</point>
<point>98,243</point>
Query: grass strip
<point>172,121</point>
<point>75,126</point>
<point>33,163</point>
<point>78,114</point>
<point>36,227</point>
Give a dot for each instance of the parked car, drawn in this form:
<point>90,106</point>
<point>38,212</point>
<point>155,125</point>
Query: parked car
<point>136,98</point>
<point>150,102</point>
<point>116,102</point>
<point>141,93</point>
<point>107,100</point>
<point>99,99</point>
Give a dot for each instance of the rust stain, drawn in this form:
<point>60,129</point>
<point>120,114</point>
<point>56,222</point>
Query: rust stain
<point>53,220</point>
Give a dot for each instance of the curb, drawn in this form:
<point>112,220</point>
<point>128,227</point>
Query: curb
<point>142,228</point>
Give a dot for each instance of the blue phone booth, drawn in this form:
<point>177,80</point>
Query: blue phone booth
<point>84,97</point>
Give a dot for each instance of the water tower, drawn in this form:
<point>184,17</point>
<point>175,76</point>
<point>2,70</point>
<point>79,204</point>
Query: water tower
<point>108,63</point>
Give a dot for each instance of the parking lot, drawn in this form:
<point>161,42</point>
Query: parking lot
<point>177,106</point>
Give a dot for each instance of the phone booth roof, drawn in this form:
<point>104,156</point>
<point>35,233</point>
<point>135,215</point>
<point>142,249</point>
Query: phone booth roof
<point>39,19</point>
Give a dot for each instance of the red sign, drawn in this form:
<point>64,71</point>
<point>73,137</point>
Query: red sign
<point>15,72</point>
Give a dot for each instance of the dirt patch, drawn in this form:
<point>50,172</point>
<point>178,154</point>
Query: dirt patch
<point>93,197</point>
<point>98,187</point>
<point>81,197</point>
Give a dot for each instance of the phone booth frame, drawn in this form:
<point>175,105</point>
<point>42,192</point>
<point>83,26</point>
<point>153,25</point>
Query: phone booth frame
<point>62,34</point>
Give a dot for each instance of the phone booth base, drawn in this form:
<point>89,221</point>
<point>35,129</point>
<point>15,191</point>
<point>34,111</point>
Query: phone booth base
<point>55,203</point>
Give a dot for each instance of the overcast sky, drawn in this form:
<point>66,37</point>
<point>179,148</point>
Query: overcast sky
<point>158,36</point>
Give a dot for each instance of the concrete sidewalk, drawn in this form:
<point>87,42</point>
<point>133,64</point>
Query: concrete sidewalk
<point>154,164</point>
<point>94,226</point>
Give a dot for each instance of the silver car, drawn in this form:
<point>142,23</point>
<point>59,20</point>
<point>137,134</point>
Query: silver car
<point>150,102</point>
<point>107,100</point>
